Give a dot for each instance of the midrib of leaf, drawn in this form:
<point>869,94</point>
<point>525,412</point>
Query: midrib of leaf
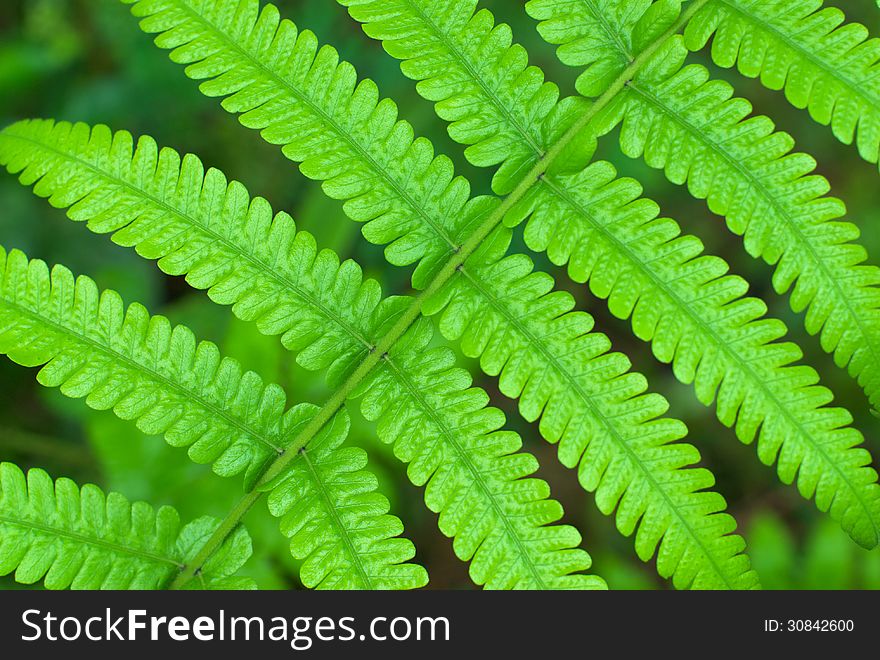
<point>611,33</point>
<point>839,75</point>
<point>617,439</point>
<point>90,540</point>
<point>440,35</point>
<point>246,255</point>
<point>327,501</point>
<point>758,183</point>
<point>416,394</point>
<point>113,354</point>
<point>414,311</point>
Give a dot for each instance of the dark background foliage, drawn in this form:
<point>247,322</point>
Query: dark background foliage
<point>86,60</point>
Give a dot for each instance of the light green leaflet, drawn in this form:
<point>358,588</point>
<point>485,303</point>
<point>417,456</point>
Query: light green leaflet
<point>823,64</point>
<point>83,539</point>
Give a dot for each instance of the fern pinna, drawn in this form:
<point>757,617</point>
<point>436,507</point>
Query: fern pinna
<point>499,309</point>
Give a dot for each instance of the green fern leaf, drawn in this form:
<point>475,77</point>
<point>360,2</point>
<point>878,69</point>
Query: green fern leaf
<point>323,309</point>
<point>521,91</point>
<point>148,371</point>
<point>544,353</point>
<point>699,549</point>
<point>594,34</point>
<point>80,538</point>
<point>683,123</point>
<point>598,412</point>
<point>337,522</point>
<point>604,36</point>
<point>197,224</point>
<point>261,64</point>
<point>478,481</point>
<point>684,302</point>
<point>822,63</point>
<point>94,347</point>
<point>697,319</point>
<point>690,127</point>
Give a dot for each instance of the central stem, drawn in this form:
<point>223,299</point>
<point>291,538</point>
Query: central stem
<point>414,311</point>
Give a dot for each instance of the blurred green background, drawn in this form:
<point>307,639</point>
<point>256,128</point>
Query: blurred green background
<point>86,60</point>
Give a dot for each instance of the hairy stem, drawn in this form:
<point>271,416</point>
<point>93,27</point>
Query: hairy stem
<point>227,526</point>
<point>455,262</point>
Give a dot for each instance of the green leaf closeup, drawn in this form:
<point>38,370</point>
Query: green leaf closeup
<point>694,313</point>
<point>698,549</point>
<point>822,63</point>
<point>148,371</point>
<point>749,174</point>
<point>681,121</point>
<point>394,356</point>
<point>336,520</point>
<point>133,343</point>
<point>82,538</point>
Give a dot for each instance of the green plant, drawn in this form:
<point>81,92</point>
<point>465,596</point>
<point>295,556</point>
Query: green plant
<point>83,539</point>
<point>499,309</point>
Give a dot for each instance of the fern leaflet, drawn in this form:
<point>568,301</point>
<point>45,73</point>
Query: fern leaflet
<point>594,34</point>
<point>94,347</point>
<point>83,539</point>
<point>823,64</point>
<point>336,520</point>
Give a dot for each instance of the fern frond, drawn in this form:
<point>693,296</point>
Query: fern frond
<point>93,347</point>
<point>597,35</point>
<point>80,538</point>
<point>405,197</point>
<point>682,301</point>
<point>147,371</point>
<point>687,125</point>
<point>197,224</point>
<point>336,520</point>
<point>690,127</point>
<point>326,313</point>
<point>823,64</point>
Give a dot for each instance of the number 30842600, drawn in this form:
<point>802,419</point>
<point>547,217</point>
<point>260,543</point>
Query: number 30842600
<point>809,625</point>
